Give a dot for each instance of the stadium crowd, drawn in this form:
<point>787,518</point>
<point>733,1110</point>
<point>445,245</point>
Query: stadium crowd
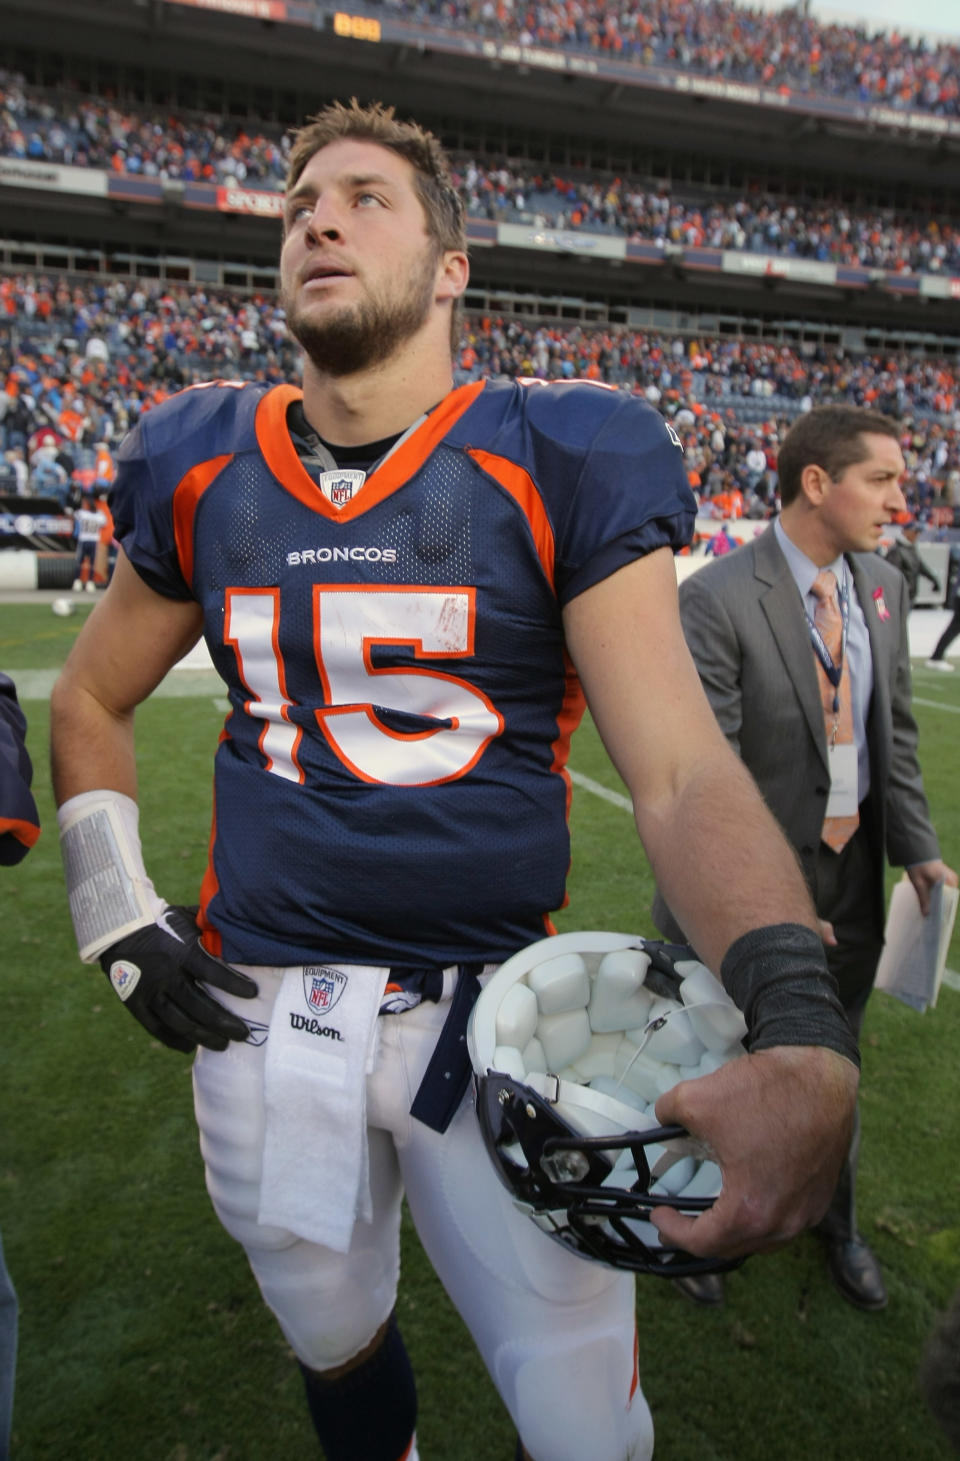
<point>68,127</point>
<point>126,138</point>
<point>786,50</point>
<point>827,231</point>
<point>80,362</point>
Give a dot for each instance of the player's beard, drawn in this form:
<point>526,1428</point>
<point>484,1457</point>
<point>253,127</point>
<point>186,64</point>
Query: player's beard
<point>362,335</point>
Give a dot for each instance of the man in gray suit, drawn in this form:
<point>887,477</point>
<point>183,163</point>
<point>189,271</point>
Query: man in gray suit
<point>754,626</point>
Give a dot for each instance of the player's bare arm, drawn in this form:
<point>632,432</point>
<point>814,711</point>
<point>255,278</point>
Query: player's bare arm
<point>716,653</point>
<point>122,653</point>
<point>726,868</point>
<point>712,642</point>
<point>717,852</point>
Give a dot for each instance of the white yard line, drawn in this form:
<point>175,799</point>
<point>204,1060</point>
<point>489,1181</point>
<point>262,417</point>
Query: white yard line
<point>936,705</point>
<point>616,798</point>
<point>178,684</point>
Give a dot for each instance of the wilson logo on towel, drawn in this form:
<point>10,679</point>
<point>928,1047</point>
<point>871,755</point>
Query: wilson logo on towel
<point>314,1027</point>
<point>322,987</point>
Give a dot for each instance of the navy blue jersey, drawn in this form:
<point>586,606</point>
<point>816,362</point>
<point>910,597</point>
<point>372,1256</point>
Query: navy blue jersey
<point>390,786</point>
<point>19,823</point>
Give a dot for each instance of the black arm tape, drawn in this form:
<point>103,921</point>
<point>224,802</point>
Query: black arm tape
<point>779,978</point>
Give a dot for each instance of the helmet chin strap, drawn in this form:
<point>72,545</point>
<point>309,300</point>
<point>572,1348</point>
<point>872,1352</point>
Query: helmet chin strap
<point>660,1022</point>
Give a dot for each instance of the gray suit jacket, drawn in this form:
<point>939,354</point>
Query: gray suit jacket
<point>744,622</point>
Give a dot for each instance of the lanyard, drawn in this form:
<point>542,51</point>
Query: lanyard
<point>832,671</point>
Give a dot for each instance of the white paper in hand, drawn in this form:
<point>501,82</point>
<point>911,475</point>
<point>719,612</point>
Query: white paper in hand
<point>915,948</point>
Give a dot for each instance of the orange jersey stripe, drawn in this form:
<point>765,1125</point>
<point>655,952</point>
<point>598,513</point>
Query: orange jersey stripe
<point>188,492</point>
<point>106,532</point>
<point>526,494</point>
<point>25,832</point>
<point>210,937</point>
<point>571,714</point>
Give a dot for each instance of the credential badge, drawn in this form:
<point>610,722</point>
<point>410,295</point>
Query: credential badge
<point>323,987</point>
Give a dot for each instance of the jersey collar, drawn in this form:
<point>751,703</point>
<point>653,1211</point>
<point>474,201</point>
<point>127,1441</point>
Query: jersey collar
<point>280,454</point>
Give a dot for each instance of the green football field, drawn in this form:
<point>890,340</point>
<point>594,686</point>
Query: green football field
<point>142,1334</point>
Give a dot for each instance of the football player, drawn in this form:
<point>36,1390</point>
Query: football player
<point>89,521</point>
<point>19,830</point>
<point>411,591</point>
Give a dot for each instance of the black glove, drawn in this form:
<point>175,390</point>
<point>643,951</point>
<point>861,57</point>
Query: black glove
<point>157,972</point>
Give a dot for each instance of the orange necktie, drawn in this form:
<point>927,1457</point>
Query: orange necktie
<point>837,831</point>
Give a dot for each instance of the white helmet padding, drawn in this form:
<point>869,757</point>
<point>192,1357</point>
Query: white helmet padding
<point>572,1041</point>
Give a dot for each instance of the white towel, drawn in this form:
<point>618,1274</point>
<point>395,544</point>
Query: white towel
<point>322,1044</point>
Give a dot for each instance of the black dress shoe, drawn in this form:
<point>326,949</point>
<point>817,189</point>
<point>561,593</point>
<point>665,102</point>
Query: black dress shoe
<point>702,1288</point>
<point>856,1272</point>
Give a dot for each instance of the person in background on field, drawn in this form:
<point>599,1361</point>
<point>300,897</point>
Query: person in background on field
<point>106,555</point>
<point>19,830</point>
<point>800,639</point>
<point>938,660</point>
<point>89,522</point>
<point>721,543</point>
<point>905,555</point>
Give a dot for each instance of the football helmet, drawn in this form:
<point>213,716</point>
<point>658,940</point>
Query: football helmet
<point>572,1041</point>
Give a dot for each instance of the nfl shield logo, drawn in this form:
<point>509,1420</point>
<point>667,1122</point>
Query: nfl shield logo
<point>339,487</point>
<point>322,988</point>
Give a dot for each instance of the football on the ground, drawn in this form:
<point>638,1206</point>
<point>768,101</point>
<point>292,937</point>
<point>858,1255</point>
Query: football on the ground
<point>63,607</point>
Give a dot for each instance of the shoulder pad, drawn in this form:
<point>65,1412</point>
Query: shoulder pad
<point>574,411</point>
<point>196,424</point>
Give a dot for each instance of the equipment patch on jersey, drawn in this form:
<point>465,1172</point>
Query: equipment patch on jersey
<point>341,486</point>
<point>323,987</point>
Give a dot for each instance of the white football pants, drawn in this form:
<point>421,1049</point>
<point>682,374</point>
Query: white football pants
<point>557,1333</point>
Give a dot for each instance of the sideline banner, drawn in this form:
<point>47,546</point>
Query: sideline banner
<point>21,172</point>
<point>251,9</point>
<point>256,201</point>
<point>35,522</point>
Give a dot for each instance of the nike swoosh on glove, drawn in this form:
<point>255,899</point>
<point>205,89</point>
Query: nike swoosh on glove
<point>158,972</point>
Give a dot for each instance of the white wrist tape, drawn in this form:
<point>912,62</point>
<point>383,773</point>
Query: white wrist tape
<point>107,885</point>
